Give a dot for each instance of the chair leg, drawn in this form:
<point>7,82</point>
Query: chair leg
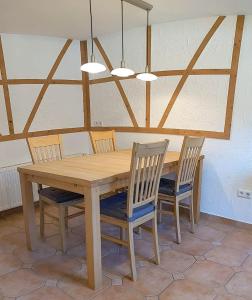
<point>155,239</point>
<point>123,234</point>
<point>62,227</point>
<point>178,234</point>
<point>42,217</point>
<point>192,215</point>
<point>132,252</point>
<point>160,207</point>
<point>66,217</point>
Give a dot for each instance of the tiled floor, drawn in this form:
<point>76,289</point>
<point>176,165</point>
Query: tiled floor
<point>214,263</point>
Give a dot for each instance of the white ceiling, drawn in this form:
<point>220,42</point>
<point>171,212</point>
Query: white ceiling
<point>70,18</point>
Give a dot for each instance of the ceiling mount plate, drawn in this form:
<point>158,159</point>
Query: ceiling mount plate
<point>141,4</point>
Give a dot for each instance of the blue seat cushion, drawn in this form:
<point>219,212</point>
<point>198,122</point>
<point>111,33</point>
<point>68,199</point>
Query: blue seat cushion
<point>168,187</point>
<point>58,195</point>
<point>116,206</point>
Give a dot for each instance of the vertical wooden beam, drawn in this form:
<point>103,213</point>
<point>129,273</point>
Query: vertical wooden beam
<point>118,83</point>
<point>6,90</point>
<point>233,75</point>
<point>45,85</point>
<point>85,86</point>
<point>148,84</point>
<point>189,69</point>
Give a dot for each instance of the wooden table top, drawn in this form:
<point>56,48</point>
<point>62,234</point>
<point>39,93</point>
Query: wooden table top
<point>90,169</point>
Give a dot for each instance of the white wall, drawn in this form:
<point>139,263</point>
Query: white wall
<point>201,105</point>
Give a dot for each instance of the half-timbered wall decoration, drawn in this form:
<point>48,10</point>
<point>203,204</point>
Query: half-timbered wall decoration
<point>86,83</point>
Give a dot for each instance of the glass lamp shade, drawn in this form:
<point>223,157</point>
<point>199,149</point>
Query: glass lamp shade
<point>146,76</point>
<point>122,72</point>
<point>93,67</point>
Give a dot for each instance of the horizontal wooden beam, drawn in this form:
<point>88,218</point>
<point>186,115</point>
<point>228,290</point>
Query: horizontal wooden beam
<point>112,78</point>
<point>172,131</point>
<point>24,135</point>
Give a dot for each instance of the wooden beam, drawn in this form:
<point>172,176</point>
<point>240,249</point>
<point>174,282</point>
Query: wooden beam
<point>45,85</point>
<point>148,84</point>
<point>172,131</point>
<point>118,83</point>
<point>25,135</point>
<point>85,86</point>
<point>189,69</point>
<point>6,90</point>
<point>166,73</point>
<point>233,76</point>
<point>112,78</point>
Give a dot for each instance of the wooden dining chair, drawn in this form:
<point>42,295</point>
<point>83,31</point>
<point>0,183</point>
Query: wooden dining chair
<point>103,141</point>
<point>44,149</point>
<point>137,206</point>
<point>173,192</point>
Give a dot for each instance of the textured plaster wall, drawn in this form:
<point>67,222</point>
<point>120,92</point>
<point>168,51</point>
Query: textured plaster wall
<point>201,104</point>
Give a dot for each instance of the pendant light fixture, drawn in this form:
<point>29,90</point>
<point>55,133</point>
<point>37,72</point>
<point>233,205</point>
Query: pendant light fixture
<point>147,75</point>
<point>122,71</point>
<point>92,66</point>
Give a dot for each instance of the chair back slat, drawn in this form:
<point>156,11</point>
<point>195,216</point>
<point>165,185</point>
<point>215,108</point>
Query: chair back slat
<point>45,148</point>
<point>188,160</point>
<point>103,141</point>
<point>145,172</point>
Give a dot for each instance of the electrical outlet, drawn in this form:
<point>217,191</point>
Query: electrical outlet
<point>98,123</point>
<point>244,194</point>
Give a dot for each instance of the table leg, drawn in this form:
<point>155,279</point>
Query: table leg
<point>197,191</point>
<point>93,238</point>
<point>29,213</point>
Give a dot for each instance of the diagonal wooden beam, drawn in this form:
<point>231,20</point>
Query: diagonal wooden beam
<point>45,85</point>
<point>118,83</point>
<point>189,69</point>
<point>6,90</point>
<point>148,84</point>
<point>85,86</point>
<point>233,75</point>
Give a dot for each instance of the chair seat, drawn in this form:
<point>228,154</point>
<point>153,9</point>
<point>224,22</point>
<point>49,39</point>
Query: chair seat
<point>168,187</point>
<point>116,206</point>
<point>58,195</point>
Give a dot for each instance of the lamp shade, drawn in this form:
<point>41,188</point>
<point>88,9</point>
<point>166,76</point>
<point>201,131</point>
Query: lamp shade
<point>122,72</point>
<point>93,67</point>
<point>146,76</point>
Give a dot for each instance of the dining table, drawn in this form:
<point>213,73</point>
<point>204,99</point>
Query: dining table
<point>92,176</point>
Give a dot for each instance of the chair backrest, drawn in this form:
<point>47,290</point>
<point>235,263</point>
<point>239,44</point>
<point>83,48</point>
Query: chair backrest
<point>188,160</point>
<point>45,148</point>
<point>145,172</point>
<point>103,141</point>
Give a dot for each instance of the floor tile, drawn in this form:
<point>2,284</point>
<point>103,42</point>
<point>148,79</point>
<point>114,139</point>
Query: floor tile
<point>151,281</point>
<point>193,246</point>
<point>57,266</point>
<point>72,240</point>
<point>209,273</point>
<point>226,256</point>
<point>117,263</point>
<point>240,285</point>
<point>175,262</point>
<point>247,265</point>
<point>119,292</point>
<point>9,263</point>
<point>241,240</point>
<point>29,257</point>
<point>20,283</point>
<point>46,293</point>
<point>75,286</point>
<point>228,297</point>
<point>209,234</point>
<point>187,290</point>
